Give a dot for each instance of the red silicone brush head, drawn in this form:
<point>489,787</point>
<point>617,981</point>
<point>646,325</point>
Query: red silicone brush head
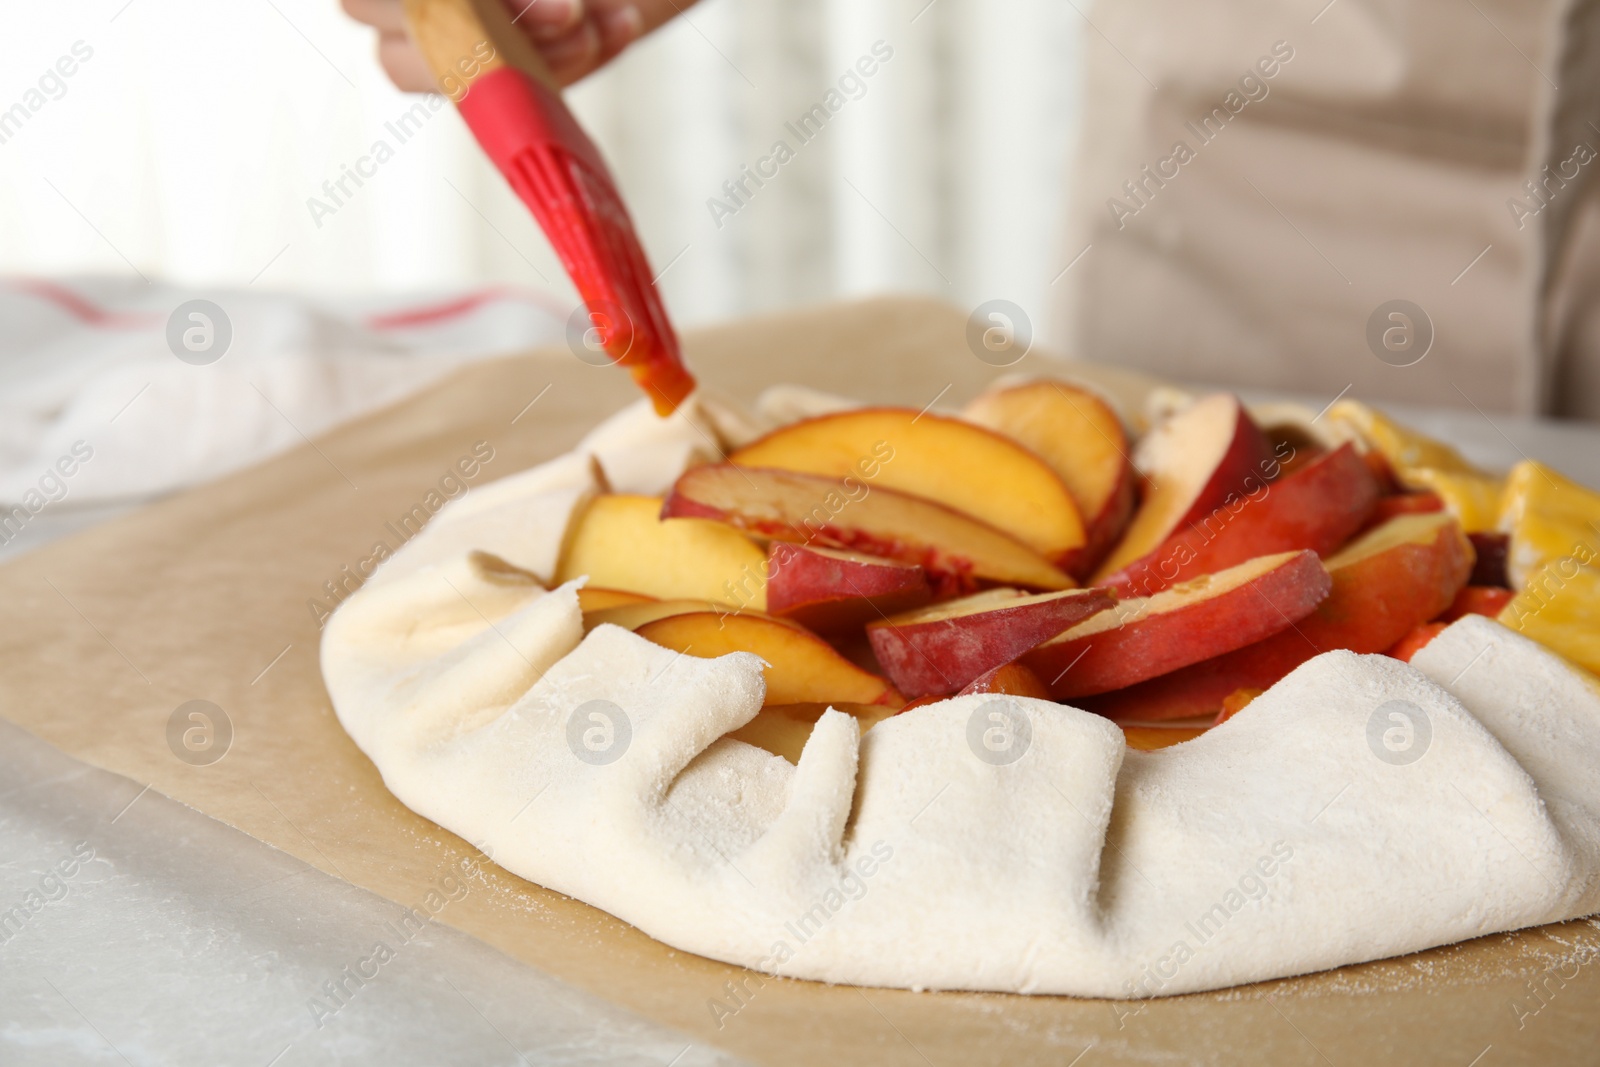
<point>556,170</point>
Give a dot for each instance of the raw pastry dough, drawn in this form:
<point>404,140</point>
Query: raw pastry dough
<point>1359,809</point>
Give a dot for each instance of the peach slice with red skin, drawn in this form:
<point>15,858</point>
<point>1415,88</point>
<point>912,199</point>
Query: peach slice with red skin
<point>949,461</point>
<point>955,550</point>
<point>1192,463</point>
<point>1488,600</point>
<point>1386,583</point>
<point>1293,445</point>
<point>830,591</point>
<point>1082,439</point>
<point>1190,622</point>
<point>801,667</point>
<point>940,649</point>
<point>1317,507</point>
<point>1396,504</point>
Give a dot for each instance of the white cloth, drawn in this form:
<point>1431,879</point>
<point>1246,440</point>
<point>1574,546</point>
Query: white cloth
<point>97,411</point>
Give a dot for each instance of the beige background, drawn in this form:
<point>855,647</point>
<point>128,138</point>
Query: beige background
<point>205,596</point>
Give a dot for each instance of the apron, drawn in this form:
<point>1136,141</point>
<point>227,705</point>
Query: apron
<point>1394,199</point>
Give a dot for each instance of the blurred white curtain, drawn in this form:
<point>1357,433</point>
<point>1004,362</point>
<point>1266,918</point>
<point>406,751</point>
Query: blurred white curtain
<point>186,148</point>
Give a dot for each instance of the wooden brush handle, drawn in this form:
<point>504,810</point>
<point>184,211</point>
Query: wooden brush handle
<point>462,40</point>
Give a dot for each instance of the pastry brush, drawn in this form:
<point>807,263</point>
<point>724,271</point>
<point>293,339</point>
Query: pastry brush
<point>505,92</point>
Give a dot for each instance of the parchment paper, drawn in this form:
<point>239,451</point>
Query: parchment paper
<point>146,933</point>
<point>210,596</point>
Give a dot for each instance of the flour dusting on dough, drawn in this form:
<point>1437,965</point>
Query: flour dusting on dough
<point>1278,844</point>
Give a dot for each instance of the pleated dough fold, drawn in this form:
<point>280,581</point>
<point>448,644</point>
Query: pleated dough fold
<point>1359,809</point>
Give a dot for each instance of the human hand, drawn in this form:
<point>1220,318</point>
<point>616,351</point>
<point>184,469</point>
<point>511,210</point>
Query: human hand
<point>575,37</point>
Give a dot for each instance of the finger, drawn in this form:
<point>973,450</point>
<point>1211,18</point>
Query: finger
<point>385,16</point>
<point>618,28</point>
<point>404,64</point>
<point>576,54</point>
<point>653,13</point>
<point>545,20</point>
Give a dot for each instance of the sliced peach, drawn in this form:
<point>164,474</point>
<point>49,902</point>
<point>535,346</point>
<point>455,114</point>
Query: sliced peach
<point>1150,738</point>
<point>595,597</point>
<point>1473,498</point>
<point>1477,600</point>
<point>1317,507</point>
<point>1401,446</point>
<point>1196,620</point>
<point>1295,445</point>
<point>1407,502</point>
<point>1378,464</point>
<point>1419,503</point>
<point>633,616</point>
<point>831,591</point>
<point>1192,464</point>
<point>940,649</point>
<point>1560,608</point>
<point>949,461</point>
<point>801,667</point>
<point>1416,641</point>
<point>784,729</point>
<point>1549,517</point>
<point>1235,702</point>
<point>621,542</point>
<point>1385,583</point>
<point>1082,439</point>
<point>956,550</point>
<point>1012,679</point>
<point>1420,462</point>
